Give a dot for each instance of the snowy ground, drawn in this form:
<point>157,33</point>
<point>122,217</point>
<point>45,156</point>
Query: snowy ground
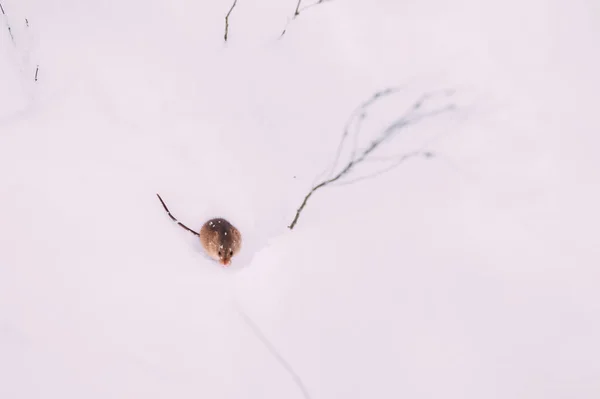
<point>472,274</point>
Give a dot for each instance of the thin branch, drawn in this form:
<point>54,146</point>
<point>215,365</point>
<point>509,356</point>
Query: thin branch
<point>297,12</point>
<point>423,153</point>
<point>315,188</point>
<point>12,38</point>
<point>227,20</point>
<point>400,160</point>
<point>173,217</point>
<point>274,352</point>
<point>361,111</point>
<point>359,121</point>
<point>312,5</point>
<point>37,68</point>
<point>410,116</point>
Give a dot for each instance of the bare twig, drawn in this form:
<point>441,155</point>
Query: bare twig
<point>227,19</point>
<point>399,160</point>
<point>273,351</point>
<point>411,116</point>
<point>173,217</point>
<point>12,38</point>
<point>316,3</point>
<point>37,68</point>
<point>360,113</point>
<point>423,153</point>
<point>297,12</point>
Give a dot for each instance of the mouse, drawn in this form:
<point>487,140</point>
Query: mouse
<point>219,238</point>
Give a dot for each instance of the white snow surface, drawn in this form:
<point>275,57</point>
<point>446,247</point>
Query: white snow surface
<point>473,274</point>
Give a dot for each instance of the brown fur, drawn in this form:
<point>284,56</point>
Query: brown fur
<point>221,240</point>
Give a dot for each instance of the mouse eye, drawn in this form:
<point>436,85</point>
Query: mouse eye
<point>230,253</point>
<point>219,253</point>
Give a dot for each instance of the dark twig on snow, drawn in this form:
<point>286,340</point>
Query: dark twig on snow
<point>398,161</point>
<point>227,20</point>
<point>316,3</point>
<point>360,114</point>
<point>26,22</point>
<point>12,38</point>
<point>297,12</point>
<point>37,68</point>
<point>173,217</point>
<point>410,117</point>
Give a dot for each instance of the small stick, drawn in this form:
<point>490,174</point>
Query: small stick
<point>227,20</point>
<point>12,38</point>
<point>173,218</point>
<point>37,68</point>
<point>297,12</point>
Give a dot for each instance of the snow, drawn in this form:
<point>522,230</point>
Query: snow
<point>468,274</point>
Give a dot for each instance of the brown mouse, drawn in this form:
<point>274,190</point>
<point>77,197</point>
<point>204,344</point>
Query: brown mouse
<point>219,238</point>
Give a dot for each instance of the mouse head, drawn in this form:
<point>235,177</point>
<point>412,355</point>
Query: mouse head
<point>225,254</point>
